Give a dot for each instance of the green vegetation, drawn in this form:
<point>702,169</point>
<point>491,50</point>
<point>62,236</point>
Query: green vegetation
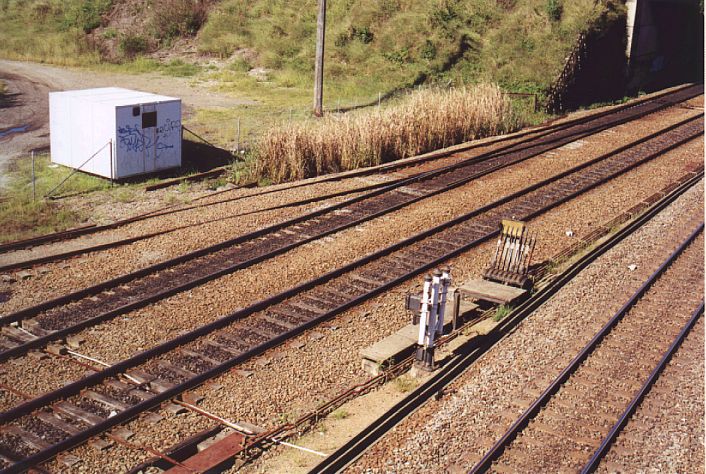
<point>133,44</point>
<point>379,46</point>
<point>48,30</point>
<point>406,383</point>
<point>501,312</point>
<point>21,216</point>
<point>555,8</point>
<point>340,414</point>
<point>85,16</point>
<point>261,51</point>
<point>374,48</point>
<point>174,18</point>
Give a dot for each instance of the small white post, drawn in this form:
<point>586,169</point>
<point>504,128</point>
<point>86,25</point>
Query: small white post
<point>110,154</point>
<point>424,313</point>
<point>445,282</point>
<point>434,314</point>
<point>34,187</point>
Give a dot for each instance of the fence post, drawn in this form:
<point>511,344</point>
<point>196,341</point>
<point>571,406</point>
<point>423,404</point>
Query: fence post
<point>237,141</point>
<point>34,186</point>
<point>110,154</point>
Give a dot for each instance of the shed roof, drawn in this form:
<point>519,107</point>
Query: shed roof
<point>115,96</point>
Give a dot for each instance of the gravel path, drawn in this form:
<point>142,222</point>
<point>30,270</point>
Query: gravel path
<point>495,390</point>
<point>666,432</point>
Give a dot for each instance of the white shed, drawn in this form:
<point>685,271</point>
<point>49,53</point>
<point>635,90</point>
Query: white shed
<point>130,132</point>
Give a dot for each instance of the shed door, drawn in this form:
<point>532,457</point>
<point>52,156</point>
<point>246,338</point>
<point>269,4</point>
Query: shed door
<point>149,130</point>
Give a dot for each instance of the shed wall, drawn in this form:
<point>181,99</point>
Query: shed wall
<point>83,122</point>
<point>147,149</point>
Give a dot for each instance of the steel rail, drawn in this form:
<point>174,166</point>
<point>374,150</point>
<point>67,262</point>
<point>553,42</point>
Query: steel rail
<point>41,340</point>
<point>130,240</point>
<point>93,228</point>
<point>422,159</point>
<point>459,219</point>
<point>437,155</point>
<point>603,449</point>
<point>95,289</point>
<point>393,184</point>
<point>499,151</point>
<point>121,367</point>
<point>356,446</point>
<point>497,449</point>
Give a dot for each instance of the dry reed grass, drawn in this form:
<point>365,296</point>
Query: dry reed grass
<point>426,120</point>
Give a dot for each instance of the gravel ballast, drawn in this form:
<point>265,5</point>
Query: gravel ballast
<point>294,378</point>
<point>495,390</point>
<point>228,220</point>
<point>666,432</point>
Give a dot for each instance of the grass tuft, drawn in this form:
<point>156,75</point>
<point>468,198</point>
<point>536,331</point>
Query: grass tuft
<point>406,383</point>
<point>501,312</point>
<point>340,414</point>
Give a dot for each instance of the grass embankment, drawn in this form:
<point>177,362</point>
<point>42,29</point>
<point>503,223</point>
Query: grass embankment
<point>262,51</point>
<point>373,48</point>
<point>425,121</point>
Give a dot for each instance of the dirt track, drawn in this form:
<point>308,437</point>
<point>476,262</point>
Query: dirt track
<point>28,85</point>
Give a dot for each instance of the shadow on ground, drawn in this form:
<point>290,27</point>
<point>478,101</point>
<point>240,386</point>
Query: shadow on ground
<point>195,158</point>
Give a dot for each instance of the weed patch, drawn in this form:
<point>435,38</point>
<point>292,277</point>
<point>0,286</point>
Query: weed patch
<point>405,383</point>
<point>426,120</point>
<point>21,216</point>
<point>501,312</point>
<point>340,414</point>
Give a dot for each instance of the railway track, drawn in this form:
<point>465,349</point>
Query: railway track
<point>617,428</point>
<point>251,447</point>
<point>567,422</point>
<point>632,445</point>
<point>651,104</point>
<point>446,377</point>
<point>15,264</point>
<point>67,314</point>
<point>86,407</point>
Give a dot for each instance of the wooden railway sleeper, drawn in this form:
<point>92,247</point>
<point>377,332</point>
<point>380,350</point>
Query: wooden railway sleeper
<point>73,412</point>
<point>288,313</point>
<point>54,420</point>
<point>320,298</point>
<point>106,400</point>
<point>30,439</point>
<point>278,321</point>
<point>198,355</point>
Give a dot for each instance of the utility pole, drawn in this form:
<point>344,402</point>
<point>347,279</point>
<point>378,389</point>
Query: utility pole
<point>319,67</point>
